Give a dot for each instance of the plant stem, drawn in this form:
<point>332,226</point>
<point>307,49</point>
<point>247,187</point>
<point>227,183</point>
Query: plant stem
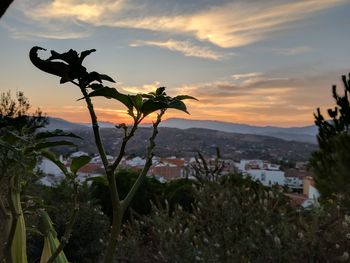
<point>95,127</point>
<point>126,138</point>
<point>116,224</point>
<point>123,205</point>
<point>116,207</point>
<point>148,164</point>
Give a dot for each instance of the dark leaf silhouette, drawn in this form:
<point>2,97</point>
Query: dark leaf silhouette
<point>78,163</point>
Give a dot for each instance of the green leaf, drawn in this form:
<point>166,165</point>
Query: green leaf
<point>55,133</point>
<point>79,162</point>
<point>178,105</point>
<point>112,93</point>
<point>45,145</point>
<point>160,91</point>
<point>10,137</point>
<point>184,97</point>
<point>95,76</point>
<point>85,53</point>
<point>71,57</point>
<point>150,106</point>
<point>147,96</point>
<point>99,180</point>
<point>137,101</point>
<point>95,86</point>
<point>106,77</point>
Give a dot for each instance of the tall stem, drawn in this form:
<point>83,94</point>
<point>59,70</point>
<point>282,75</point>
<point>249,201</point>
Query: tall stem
<point>116,207</point>
<point>126,138</point>
<point>95,127</point>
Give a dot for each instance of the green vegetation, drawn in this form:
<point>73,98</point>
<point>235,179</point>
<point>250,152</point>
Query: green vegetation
<point>331,162</point>
<point>237,220</point>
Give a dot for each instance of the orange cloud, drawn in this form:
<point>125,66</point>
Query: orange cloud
<point>234,24</point>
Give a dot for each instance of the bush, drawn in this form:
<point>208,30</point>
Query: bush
<point>238,221</point>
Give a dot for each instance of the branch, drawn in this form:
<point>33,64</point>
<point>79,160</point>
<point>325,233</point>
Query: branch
<point>119,207</point>
<point>148,164</point>
<point>95,127</point>
<point>126,138</point>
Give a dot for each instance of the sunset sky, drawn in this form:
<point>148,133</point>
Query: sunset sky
<point>268,62</point>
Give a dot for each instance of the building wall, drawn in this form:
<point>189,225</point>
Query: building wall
<point>167,172</point>
<point>48,167</point>
<point>267,177</point>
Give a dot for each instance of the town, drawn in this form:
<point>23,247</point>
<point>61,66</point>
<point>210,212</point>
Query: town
<point>297,183</point>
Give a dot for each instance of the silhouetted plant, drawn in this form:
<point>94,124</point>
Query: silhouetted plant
<point>68,66</point>
<point>4,4</point>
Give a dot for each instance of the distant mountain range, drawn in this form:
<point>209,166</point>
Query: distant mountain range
<point>57,123</point>
<point>301,134</point>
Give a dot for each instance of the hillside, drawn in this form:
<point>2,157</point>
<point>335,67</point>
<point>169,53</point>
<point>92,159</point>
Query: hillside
<point>302,134</point>
<point>185,143</point>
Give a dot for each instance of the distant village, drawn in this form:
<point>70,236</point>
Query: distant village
<point>297,182</point>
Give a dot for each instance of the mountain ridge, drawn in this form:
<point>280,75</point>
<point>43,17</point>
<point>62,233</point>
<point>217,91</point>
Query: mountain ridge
<point>301,134</point>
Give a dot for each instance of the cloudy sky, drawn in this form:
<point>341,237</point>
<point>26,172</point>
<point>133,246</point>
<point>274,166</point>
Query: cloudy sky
<point>268,62</point>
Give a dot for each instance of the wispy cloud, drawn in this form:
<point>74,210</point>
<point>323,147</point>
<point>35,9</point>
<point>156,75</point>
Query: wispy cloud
<point>246,75</point>
<point>86,11</point>
<point>145,88</point>
<point>233,24</point>
<point>259,98</point>
<point>80,114</point>
<point>55,33</point>
<point>293,51</point>
<point>185,47</point>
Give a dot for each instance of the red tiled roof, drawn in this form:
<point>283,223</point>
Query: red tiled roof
<point>301,174</point>
<point>177,162</point>
<point>296,199</point>
<point>90,168</point>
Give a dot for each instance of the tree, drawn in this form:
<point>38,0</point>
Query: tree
<point>331,162</point>
<point>15,168</point>
<point>22,145</point>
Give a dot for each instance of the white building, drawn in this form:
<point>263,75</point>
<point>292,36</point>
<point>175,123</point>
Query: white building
<point>135,162</point>
<point>48,167</point>
<point>53,174</point>
<point>267,177</point>
<point>78,154</point>
<point>98,160</point>
<point>266,173</point>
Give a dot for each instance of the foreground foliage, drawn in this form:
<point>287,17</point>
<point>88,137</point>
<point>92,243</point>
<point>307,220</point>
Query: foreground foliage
<point>238,221</point>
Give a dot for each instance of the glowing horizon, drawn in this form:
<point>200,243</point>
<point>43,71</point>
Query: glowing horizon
<point>263,63</point>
